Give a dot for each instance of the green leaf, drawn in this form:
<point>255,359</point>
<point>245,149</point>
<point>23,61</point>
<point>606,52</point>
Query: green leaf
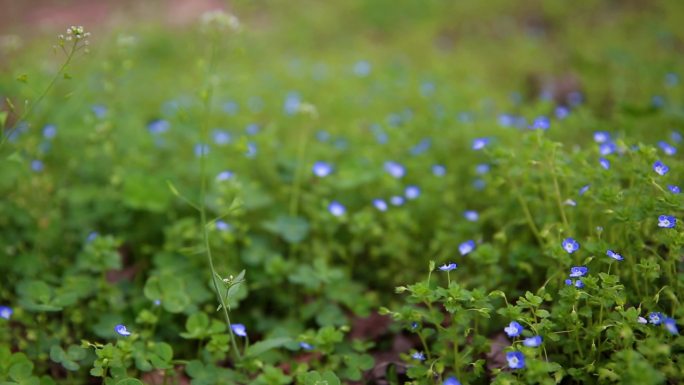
<point>292,229</point>
<point>129,381</point>
<point>21,370</point>
<point>266,345</point>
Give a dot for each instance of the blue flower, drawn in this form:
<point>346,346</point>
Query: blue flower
<point>570,245</point>
<point>397,200</point>
<point>395,169</point>
<point>221,137</point>
<point>674,189</point>
<point>438,170</point>
<point>380,204</point>
<point>667,221</point>
<point>601,136</point>
<point>676,137</point>
<point>541,123</point>
<point>6,312</point>
<point>482,168</point>
<point>642,320</point>
<point>466,247</point>
<point>414,325</point>
<point>451,381</point>
<point>513,329</point>
<point>158,126</point>
<point>516,360</point>
<point>421,147</point>
<point>230,107</point>
<point>292,102</point>
<point>471,215</point>
<point>49,131</point>
<point>336,208</point>
<point>660,168</point>
<point>322,169</point>
<point>306,345</point>
<point>655,318</point>
<point>224,176</point>
<point>578,271</point>
<point>533,342</point>
<point>418,356</point>
<point>99,110</point>
<point>583,189</point>
<point>222,226</point>
<point>322,136</point>
<point>251,150</point>
<point>252,129</point>
<point>362,68</point>
<point>614,255</point>
<point>568,282</point>
<point>480,143</point>
<point>448,266</point>
<point>579,284</point>
<point>607,148</point>
<point>412,192</point>
<point>671,325</point>
<point>605,163</point>
<point>91,237</point>
<point>201,150</point>
<point>239,330</point>
<point>156,302</point>
<point>562,112</point>
<point>667,148</point>
<point>121,330</point>
<point>37,165</point>
<point>479,184</point>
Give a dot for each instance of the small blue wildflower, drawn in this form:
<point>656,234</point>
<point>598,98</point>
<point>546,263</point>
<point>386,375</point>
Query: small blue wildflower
<point>541,123</point>
<point>397,200</point>
<point>568,282</point>
<point>516,360</point>
<point>466,247</point>
<point>230,107</point>
<point>614,255</point>
<point>221,137</point>
<point>674,189</point>
<point>671,79</point>
<point>513,329</point>
<point>37,165</point>
<point>480,143</point>
<point>421,147</point>
<point>122,331</point>
<point>562,112</point>
<point>322,136</point>
<point>427,89</point>
<point>91,237</point>
<point>575,98</point>
<point>448,266</point>
<point>570,245</point>
<point>6,312</point>
<point>579,284</point>
<point>251,150</point>
<point>336,208</point>
<point>305,346</point>
<point>292,102</point>
<point>438,170</point>
<point>656,318</point>
<point>158,126</point>
<point>49,131</point>
<point>471,215</point>
<point>395,169</point>
<point>482,168</point>
<point>676,137</point>
<point>642,320</point>
<point>605,163</point>
<point>224,176</point>
<point>667,221</point>
<point>660,168</point>
<point>252,129</point>
<point>201,150</point>
<point>601,136</point>
<point>418,356</point>
<point>322,169</point>
<point>583,189</point>
<point>667,148</point>
<point>506,120</point>
<point>239,330</point>
<point>380,204</point>
<point>657,101</point>
<point>479,184</point>
<point>671,325</point>
<point>533,342</point>
<point>578,271</point>
<point>156,302</point>
<point>607,148</point>
<point>99,110</point>
<point>362,68</point>
<point>412,192</point>
<point>222,226</point>
<point>414,325</point>
<point>451,381</point>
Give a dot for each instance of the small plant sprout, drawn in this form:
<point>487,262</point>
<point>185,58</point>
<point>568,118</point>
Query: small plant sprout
<point>660,168</point>
<point>466,247</point>
<point>322,169</point>
<point>570,245</point>
<point>420,356</point>
<point>614,255</point>
<point>533,342</point>
<point>239,329</point>
<point>380,204</point>
<point>514,329</point>
<point>578,271</point>
<point>336,208</point>
<point>6,312</point>
<point>122,330</point>
<point>516,360</point>
<point>667,221</point>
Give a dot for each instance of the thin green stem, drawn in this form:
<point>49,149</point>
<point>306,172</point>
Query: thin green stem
<point>556,187</point>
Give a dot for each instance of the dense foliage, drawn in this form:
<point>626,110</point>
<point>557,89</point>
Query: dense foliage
<point>366,192</point>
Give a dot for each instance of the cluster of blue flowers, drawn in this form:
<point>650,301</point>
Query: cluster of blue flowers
<point>670,324</point>
<point>516,359</point>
